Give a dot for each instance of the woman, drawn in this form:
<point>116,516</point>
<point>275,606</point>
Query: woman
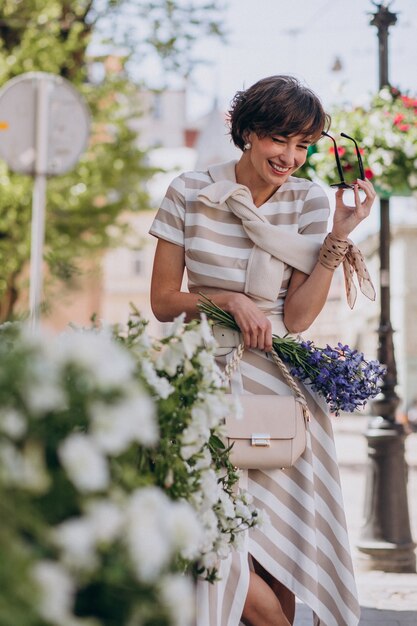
<point>208,223</point>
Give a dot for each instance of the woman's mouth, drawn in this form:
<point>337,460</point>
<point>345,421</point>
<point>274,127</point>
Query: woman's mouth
<point>279,169</point>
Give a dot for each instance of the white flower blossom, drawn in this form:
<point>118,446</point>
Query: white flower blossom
<point>25,468</point>
<point>387,157</point>
<point>392,139</point>
<point>43,391</point>
<point>186,530</point>
<point>191,340</point>
<point>75,537</point>
<point>242,510</point>
<point>196,433</point>
<point>246,497</point>
<point>106,520</point>
<point>210,523</point>
<point>227,505</point>
<point>206,331</point>
<point>35,477</point>
<point>385,94</point>
<point>85,465</point>
<point>147,535</point>
<point>57,590</point>
<point>200,414</point>
<point>410,149</point>
<point>191,449</point>
<point>116,426</point>
<point>239,542</point>
<point>412,181</point>
<point>177,594</point>
<point>193,438</point>
<point>204,460</point>
<point>177,326</point>
<point>12,423</point>
<point>212,374</point>
<point>377,168</point>
<point>262,519</point>
<point>11,463</point>
<point>209,560</point>
<point>170,358</point>
<point>106,363</point>
<point>158,383</point>
<point>210,487</point>
<point>222,548</point>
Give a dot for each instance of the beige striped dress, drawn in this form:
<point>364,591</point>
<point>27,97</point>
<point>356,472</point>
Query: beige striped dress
<point>306,544</point>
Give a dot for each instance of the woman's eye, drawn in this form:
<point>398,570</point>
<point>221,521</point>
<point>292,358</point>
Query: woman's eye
<point>278,139</point>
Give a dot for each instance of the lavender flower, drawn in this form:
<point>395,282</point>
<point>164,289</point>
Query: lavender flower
<point>342,376</point>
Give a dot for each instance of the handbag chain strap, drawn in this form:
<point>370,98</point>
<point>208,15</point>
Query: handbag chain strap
<point>233,364</point>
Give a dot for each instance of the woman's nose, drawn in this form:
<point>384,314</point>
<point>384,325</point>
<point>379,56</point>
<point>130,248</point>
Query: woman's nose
<point>287,154</point>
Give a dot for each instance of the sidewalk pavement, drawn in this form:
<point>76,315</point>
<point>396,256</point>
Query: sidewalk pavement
<point>386,599</point>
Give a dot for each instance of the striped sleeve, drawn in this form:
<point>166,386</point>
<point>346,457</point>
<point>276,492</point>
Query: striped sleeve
<point>314,214</point>
<point>169,220</point>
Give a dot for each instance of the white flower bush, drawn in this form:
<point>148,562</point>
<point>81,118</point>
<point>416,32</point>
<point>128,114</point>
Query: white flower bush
<point>115,486</point>
<point>191,461</point>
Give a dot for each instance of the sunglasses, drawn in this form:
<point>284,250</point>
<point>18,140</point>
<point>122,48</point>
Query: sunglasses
<point>343,184</point>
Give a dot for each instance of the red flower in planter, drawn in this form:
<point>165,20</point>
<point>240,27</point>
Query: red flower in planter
<point>409,102</point>
<point>340,150</point>
<point>398,119</point>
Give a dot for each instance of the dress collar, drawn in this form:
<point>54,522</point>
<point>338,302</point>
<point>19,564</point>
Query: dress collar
<point>223,171</point>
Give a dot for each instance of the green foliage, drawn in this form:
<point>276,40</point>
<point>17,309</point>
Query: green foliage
<point>85,207</point>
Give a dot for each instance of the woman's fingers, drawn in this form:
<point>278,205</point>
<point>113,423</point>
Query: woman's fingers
<point>255,327</point>
<point>370,194</point>
<point>256,331</point>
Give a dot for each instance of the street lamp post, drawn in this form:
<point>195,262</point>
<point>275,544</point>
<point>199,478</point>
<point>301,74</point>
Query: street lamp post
<point>386,543</point>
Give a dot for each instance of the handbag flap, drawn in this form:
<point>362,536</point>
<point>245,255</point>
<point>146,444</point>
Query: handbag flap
<point>271,415</point>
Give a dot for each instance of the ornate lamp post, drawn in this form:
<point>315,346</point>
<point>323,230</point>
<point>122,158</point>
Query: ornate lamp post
<point>386,541</point>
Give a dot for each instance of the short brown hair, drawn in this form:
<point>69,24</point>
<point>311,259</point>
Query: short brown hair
<point>277,105</point>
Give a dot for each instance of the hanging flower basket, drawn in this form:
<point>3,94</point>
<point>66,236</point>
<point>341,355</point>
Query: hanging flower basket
<point>386,130</point>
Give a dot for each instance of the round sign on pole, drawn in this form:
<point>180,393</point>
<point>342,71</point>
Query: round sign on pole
<point>47,127</point>
<point>68,124</point>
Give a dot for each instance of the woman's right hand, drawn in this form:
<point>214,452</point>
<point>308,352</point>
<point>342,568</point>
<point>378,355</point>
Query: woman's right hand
<point>253,323</point>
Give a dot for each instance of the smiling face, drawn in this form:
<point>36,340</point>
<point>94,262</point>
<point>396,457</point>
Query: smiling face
<point>271,160</point>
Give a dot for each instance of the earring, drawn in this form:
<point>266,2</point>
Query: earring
<point>247,145</point>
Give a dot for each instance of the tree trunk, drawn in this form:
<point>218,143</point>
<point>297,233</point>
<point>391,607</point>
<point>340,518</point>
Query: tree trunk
<point>9,299</point>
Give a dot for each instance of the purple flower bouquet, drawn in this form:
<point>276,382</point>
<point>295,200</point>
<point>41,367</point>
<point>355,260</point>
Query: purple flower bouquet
<point>342,376</point>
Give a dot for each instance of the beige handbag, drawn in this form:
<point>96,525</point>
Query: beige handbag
<point>272,433</point>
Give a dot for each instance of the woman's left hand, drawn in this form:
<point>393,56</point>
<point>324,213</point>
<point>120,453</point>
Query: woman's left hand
<point>346,217</point>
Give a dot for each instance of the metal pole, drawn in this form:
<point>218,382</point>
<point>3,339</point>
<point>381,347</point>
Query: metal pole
<point>38,200</point>
<point>386,542</point>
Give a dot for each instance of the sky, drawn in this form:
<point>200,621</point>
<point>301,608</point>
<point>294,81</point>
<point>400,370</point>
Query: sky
<point>304,38</point>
